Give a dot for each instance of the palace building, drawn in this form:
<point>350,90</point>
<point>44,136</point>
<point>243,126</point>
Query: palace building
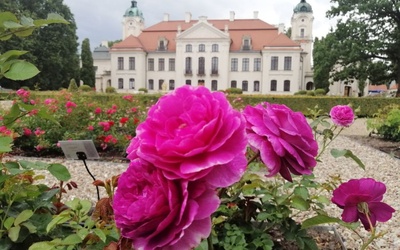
<point>249,54</point>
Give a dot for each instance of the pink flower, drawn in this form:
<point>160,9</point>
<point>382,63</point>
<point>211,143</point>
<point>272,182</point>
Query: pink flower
<point>23,93</point>
<point>110,138</point>
<point>128,98</point>
<point>38,132</point>
<point>33,102</point>
<point>193,133</point>
<point>158,213</point>
<point>39,147</point>
<point>70,104</point>
<point>111,111</point>
<point>359,197</point>
<point>134,110</point>
<point>342,115</point>
<point>90,127</point>
<point>49,101</point>
<point>27,132</point>
<point>283,138</point>
<point>114,107</point>
<point>97,111</point>
<point>106,126</point>
<point>69,110</point>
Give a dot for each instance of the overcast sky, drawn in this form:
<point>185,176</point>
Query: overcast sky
<point>101,20</point>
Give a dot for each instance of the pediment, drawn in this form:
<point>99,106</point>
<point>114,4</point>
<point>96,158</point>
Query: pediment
<point>202,30</point>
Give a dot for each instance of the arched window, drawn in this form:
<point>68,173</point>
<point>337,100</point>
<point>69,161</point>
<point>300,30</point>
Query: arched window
<point>202,48</point>
<point>256,86</point>
<point>120,83</point>
<point>286,85</point>
<point>273,85</point>
<point>214,66</point>
<point>132,83</point>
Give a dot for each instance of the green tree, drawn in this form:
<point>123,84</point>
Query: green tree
<point>368,39</point>
<point>87,70</point>
<point>325,58</point>
<point>53,50</point>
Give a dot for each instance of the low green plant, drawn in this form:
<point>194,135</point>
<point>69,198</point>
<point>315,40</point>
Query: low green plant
<point>72,87</point>
<point>111,90</point>
<point>301,92</point>
<point>85,88</point>
<point>386,123</point>
<point>144,90</point>
<point>310,93</point>
<point>234,91</point>
<point>320,92</point>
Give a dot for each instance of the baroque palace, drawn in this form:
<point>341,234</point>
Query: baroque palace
<point>249,54</point>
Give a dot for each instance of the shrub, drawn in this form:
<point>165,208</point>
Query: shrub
<point>111,90</point>
<point>144,90</point>
<point>320,92</point>
<point>72,86</point>
<point>386,123</point>
<point>301,92</point>
<point>85,88</point>
<point>234,91</point>
<point>310,93</point>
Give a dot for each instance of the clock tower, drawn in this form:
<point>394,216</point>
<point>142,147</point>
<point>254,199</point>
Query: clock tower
<point>133,21</point>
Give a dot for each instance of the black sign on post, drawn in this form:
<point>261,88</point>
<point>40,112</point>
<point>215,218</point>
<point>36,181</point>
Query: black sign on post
<point>81,150</point>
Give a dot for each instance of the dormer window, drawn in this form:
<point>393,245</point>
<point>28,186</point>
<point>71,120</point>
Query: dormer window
<point>246,43</point>
<point>162,44</point>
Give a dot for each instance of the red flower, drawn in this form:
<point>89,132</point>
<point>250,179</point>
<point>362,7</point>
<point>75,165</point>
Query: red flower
<point>27,131</point>
<point>90,127</point>
<point>97,111</point>
<point>136,121</point>
<point>124,120</point>
<point>70,104</point>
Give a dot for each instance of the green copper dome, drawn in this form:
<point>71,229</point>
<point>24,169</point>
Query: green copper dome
<point>133,11</point>
<point>303,6</point>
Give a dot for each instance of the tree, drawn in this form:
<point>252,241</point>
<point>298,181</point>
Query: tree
<point>53,50</point>
<point>368,39</point>
<point>87,71</point>
<point>325,58</point>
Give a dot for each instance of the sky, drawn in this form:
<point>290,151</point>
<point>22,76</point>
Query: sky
<point>102,20</point>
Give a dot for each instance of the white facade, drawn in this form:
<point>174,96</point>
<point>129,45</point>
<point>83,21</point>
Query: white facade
<point>219,54</point>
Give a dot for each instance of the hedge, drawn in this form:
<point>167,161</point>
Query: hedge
<point>368,106</point>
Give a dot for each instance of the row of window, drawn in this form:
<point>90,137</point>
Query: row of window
<point>131,83</point>
<point>256,85</point>
<point>201,48</point>
<point>246,64</point>
<point>131,61</point>
<point>287,63</point>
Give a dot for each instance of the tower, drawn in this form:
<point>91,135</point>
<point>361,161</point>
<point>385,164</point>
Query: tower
<point>133,21</point>
<point>302,26</point>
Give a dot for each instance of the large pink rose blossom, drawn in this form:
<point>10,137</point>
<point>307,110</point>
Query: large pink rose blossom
<point>158,213</point>
<point>360,196</point>
<point>342,115</point>
<point>283,138</point>
<point>193,133</point>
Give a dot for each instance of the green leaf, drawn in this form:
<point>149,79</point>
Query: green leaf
<point>348,154</point>
<point>13,114</point>
<point>72,239</point>
<point>5,144</point>
<point>23,216</point>
<point>24,32</point>
<point>11,54</point>
<point>300,203</point>
<point>59,171</point>
<point>21,70</point>
<point>9,222</point>
<point>44,245</point>
<point>59,219</point>
<point>317,220</point>
<point>13,233</point>
<point>100,233</point>
<point>302,192</point>
<point>38,165</point>
<point>32,228</point>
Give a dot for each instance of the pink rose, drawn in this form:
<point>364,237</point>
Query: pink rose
<point>70,104</point>
<point>27,132</point>
<point>283,138</point>
<point>97,111</point>
<point>193,133</point>
<point>359,197</point>
<point>157,213</point>
<point>342,115</point>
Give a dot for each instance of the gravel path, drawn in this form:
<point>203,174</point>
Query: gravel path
<point>379,166</point>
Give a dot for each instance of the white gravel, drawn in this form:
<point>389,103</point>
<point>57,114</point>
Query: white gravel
<point>379,166</point>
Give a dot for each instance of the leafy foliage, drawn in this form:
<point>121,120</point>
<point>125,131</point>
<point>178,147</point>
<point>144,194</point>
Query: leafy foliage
<point>53,50</point>
<point>87,71</point>
<point>367,39</point>
<point>386,123</point>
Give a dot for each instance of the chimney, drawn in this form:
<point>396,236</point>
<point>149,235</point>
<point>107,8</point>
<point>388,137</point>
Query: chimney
<point>255,14</point>
<point>166,17</point>
<point>188,17</point>
<point>232,16</point>
<point>202,18</point>
<point>179,29</point>
<point>281,28</point>
<point>226,28</point>
<point>104,44</point>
